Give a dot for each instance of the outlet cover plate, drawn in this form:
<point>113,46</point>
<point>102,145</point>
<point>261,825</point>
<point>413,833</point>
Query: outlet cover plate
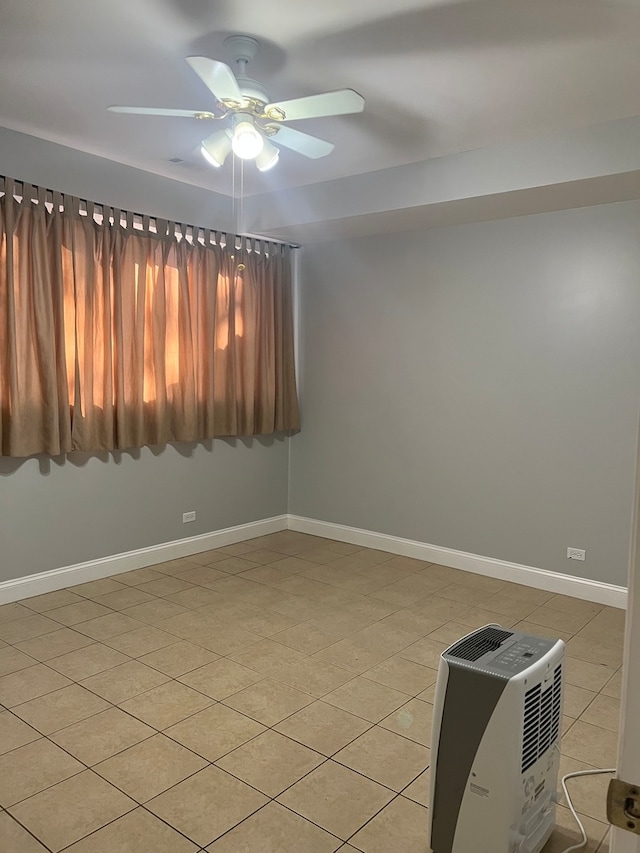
<point>188,516</point>
<point>576,554</point>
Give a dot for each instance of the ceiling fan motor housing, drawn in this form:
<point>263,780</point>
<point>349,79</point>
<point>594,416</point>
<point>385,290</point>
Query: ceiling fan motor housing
<point>253,90</point>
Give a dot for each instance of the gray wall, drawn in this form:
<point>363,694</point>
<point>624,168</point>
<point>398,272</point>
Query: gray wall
<point>66,510</point>
<point>62,511</point>
<point>477,387</point>
<point>474,387</point>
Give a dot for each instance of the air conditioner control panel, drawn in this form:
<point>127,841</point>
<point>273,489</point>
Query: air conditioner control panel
<point>518,654</point>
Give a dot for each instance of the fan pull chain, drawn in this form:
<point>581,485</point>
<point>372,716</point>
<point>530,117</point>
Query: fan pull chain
<point>241,265</point>
<point>237,210</point>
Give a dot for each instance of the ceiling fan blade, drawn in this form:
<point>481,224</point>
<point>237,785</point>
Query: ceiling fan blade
<point>217,77</point>
<point>342,102</point>
<point>303,143</point>
<point>159,111</point>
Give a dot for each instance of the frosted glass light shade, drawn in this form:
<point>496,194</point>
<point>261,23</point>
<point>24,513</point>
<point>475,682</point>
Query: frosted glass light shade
<point>216,148</point>
<point>268,157</point>
<point>247,142</point>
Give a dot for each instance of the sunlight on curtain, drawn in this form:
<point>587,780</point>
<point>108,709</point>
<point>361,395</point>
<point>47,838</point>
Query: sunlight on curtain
<point>114,337</point>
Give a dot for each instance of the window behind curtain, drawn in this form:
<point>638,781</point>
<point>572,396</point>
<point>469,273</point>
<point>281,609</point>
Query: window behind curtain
<point>116,337</point>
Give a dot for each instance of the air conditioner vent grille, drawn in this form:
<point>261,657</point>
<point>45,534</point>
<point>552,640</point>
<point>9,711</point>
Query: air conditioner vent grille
<point>472,648</point>
<point>541,728</point>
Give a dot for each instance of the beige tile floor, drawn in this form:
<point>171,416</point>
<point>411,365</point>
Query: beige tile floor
<point>269,697</point>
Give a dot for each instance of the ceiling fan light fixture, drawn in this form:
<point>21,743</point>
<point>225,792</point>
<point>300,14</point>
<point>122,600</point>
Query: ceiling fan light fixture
<point>216,148</point>
<point>247,141</point>
<point>268,157</point>
<point>244,103</point>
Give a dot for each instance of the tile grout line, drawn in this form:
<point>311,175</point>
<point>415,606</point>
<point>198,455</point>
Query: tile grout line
<point>27,830</point>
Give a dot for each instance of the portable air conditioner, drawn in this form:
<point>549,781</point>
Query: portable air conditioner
<point>495,745</point>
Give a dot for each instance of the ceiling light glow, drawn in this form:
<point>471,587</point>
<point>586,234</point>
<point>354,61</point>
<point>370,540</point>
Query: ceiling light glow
<point>247,142</point>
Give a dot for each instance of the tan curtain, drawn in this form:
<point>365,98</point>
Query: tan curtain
<point>114,337</point>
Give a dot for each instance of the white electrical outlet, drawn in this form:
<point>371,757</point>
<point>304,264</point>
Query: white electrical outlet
<point>191,516</point>
<point>576,554</point>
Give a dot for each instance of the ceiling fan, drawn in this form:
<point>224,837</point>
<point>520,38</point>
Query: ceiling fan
<point>253,123</point>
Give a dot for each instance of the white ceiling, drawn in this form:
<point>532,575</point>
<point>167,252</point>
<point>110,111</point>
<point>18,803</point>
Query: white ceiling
<point>439,76</point>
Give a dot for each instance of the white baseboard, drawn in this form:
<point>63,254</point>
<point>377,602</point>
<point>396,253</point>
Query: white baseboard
<point>37,584</point>
<point>589,590</point>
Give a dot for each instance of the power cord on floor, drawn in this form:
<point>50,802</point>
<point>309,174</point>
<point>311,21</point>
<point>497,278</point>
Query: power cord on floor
<point>573,811</point>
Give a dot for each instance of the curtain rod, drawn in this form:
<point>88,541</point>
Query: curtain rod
<point>253,236</point>
<point>138,217</point>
